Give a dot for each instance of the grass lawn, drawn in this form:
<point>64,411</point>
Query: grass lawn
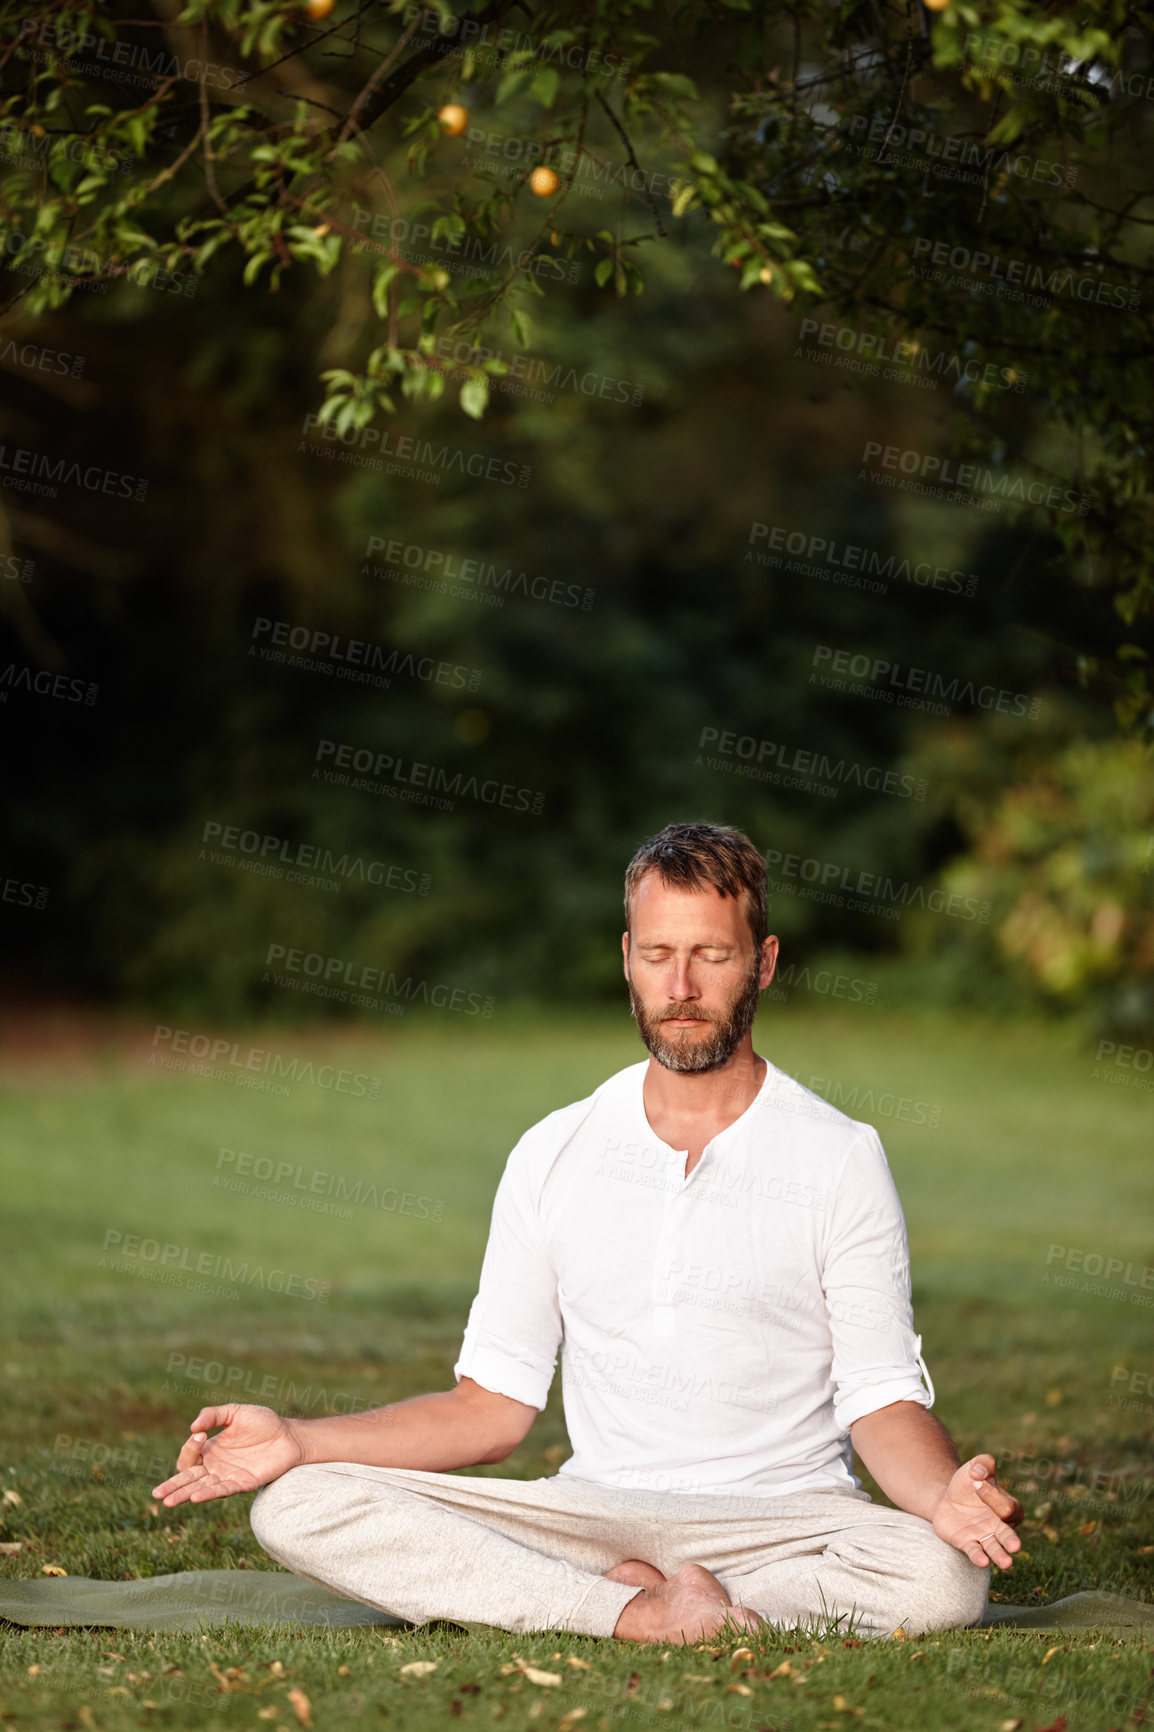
<point>1004,1145</point>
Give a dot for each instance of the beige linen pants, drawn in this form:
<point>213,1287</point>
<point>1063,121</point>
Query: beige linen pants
<point>531,1554</point>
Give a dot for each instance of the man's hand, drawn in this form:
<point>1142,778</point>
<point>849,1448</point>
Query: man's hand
<point>255,1446</point>
<point>979,1516</point>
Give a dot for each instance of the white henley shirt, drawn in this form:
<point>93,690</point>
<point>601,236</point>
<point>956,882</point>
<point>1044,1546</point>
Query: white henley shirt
<point>718,1333</point>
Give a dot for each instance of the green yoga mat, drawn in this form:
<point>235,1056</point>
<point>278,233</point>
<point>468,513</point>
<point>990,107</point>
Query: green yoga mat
<point>194,1598</point>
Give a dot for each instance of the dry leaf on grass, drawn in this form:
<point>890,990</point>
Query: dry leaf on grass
<point>11,1548</point>
<point>740,1656</point>
<point>536,1676</point>
<point>741,1689</point>
<point>302,1707</point>
<point>418,1668</point>
<point>785,1670</point>
<point>572,1718</point>
<point>52,1570</point>
<point>582,1666</point>
<point>12,1497</point>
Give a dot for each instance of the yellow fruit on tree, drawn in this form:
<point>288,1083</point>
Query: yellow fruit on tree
<point>319,9</point>
<point>544,181</point>
<point>453,118</point>
<point>935,5</point>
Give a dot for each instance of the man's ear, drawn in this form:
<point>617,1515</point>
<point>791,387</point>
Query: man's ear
<point>625,953</point>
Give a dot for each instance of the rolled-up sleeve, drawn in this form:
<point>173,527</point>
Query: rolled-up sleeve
<point>866,1280</point>
<point>514,1328</point>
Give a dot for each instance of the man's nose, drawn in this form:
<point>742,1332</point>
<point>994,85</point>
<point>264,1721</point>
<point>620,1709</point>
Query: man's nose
<point>682,985</point>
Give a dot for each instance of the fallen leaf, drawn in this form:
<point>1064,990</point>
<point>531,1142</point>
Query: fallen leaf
<point>276,1667</point>
<point>109,1654</point>
<point>536,1676</point>
<point>785,1670</point>
<point>422,1668</point>
<point>52,1570</point>
<point>344,1671</point>
<point>84,1715</point>
<point>1051,1534</point>
<point>119,1690</point>
<point>1049,1655</point>
<point>699,1677</point>
<point>572,1718</point>
<point>301,1705</point>
<point>741,1689</point>
<point>11,1548</point>
<point>1143,1550</point>
<point>1010,1726</point>
<point>269,1713</point>
<point>740,1656</point>
<point>581,1665</point>
<point>899,1634</point>
<point>33,1671</point>
<point>843,1707</point>
<point>12,1497</point>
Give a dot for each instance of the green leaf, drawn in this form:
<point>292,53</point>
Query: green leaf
<point>603,272</point>
<point>546,85</point>
<point>475,396</point>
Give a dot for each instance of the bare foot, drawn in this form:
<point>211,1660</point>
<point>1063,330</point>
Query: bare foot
<point>688,1607</point>
<point>635,1574</point>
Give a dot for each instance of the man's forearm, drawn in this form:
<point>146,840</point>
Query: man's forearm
<point>432,1432</point>
<point>909,1453</point>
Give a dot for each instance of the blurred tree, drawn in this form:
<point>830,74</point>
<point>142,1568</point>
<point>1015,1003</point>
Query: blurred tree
<point>971,191</point>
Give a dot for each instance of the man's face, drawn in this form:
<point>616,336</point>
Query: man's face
<point>693,973</point>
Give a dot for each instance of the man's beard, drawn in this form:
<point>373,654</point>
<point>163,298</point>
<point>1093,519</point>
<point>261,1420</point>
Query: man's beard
<point>682,1049</point>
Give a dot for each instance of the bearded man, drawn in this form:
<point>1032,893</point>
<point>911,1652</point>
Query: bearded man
<point>721,1259</point>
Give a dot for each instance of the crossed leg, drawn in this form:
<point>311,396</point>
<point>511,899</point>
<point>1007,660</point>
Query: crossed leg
<point>551,1554</point>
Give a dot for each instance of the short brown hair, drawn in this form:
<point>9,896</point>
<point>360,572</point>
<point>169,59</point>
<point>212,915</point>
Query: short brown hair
<point>690,856</point>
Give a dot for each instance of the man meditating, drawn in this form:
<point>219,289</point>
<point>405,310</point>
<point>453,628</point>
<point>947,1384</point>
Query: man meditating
<point>721,1259</point>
